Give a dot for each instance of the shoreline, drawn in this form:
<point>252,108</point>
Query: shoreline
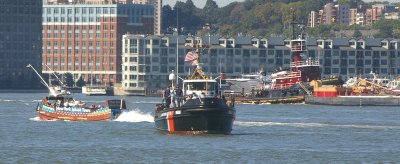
<point>33,90</point>
<point>23,91</point>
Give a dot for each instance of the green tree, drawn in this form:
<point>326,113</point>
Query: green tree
<point>386,28</point>
<point>255,17</point>
<point>188,16</point>
<point>80,82</point>
<point>357,34</point>
<point>168,18</point>
<point>69,80</point>
<point>209,11</point>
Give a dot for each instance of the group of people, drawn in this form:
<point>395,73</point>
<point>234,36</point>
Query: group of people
<point>173,96</point>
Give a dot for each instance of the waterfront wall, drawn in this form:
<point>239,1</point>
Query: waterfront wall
<point>355,100</point>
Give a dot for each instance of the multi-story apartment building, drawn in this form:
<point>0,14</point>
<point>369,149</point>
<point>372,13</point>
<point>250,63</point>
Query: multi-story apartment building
<point>148,60</point>
<point>86,39</point>
<point>328,14</point>
<point>312,19</point>
<point>342,14</point>
<point>360,20</point>
<point>353,16</point>
<point>372,15</point>
<point>157,13</point>
<point>393,15</point>
<point>157,8</point>
<point>386,8</point>
<point>20,43</point>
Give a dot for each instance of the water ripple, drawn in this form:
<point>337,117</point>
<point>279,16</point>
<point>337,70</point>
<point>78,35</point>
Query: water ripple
<point>314,125</point>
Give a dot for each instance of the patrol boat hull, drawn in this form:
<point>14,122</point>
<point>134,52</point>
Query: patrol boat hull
<point>196,116</point>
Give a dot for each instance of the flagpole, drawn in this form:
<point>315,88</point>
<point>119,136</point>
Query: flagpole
<point>177,45</point>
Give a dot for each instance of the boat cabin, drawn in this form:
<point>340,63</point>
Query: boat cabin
<point>61,101</point>
<point>200,87</point>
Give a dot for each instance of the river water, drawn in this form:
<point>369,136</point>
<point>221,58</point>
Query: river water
<point>295,133</point>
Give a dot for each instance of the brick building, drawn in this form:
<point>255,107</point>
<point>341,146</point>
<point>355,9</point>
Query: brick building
<point>86,39</point>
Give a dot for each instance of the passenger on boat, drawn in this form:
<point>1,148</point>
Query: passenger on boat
<point>167,97</point>
<point>194,96</point>
<point>179,95</point>
<point>173,97</point>
<point>224,98</point>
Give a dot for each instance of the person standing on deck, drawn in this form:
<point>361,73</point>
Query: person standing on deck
<point>173,97</point>
<point>179,95</point>
<point>167,97</point>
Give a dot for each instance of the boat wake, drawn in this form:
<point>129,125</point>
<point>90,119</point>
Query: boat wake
<point>146,102</point>
<point>135,115</point>
<point>314,125</point>
<point>38,119</point>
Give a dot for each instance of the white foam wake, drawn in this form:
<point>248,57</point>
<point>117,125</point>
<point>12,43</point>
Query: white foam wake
<point>37,118</point>
<point>313,125</point>
<point>135,116</point>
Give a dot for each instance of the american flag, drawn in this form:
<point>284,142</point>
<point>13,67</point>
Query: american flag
<point>191,57</point>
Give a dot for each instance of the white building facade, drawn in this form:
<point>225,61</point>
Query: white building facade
<point>148,60</point>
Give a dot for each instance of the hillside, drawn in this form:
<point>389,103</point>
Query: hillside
<point>258,18</point>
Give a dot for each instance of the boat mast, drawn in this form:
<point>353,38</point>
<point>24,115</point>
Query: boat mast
<point>37,73</point>
<point>177,45</point>
<point>54,73</point>
<point>297,44</point>
<point>91,70</point>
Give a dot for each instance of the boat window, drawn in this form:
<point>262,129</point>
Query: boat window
<point>201,86</point>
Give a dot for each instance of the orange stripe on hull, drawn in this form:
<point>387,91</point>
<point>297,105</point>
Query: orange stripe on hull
<point>170,118</point>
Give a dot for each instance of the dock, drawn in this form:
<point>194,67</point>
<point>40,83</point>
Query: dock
<point>264,100</point>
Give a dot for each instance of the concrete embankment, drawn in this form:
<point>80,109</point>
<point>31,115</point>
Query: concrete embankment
<point>24,91</point>
<point>73,90</point>
<point>355,100</point>
<point>264,100</point>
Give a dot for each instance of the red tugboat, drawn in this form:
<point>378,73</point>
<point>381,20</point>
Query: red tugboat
<point>290,86</point>
<point>301,71</point>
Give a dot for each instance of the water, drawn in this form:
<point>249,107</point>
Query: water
<point>261,134</point>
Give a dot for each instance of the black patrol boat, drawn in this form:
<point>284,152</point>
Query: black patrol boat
<point>204,109</point>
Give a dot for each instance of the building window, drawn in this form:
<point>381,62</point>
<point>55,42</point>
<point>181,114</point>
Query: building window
<point>132,68</point>
<point>352,62</point>
<point>132,77</point>
<point>155,68</point>
<point>133,46</point>
<point>367,62</point>
<point>352,70</point>
<point>335,61</point>
<point>133,59</point>
<point>384,70</point>
<point>335,70</point>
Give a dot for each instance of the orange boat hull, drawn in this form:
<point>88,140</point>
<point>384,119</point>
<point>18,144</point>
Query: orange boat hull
<point>44,115</point>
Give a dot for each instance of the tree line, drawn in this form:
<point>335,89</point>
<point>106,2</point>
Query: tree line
<point>262,18</point>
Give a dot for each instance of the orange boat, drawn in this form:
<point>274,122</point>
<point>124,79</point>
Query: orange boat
<point>66,108</point>
<point>60,105</point>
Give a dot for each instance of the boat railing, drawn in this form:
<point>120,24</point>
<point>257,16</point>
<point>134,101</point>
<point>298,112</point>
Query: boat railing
<point>291,74</point>
<point>282,86</point>
<point>298,48</point>
<point>305,63</point>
